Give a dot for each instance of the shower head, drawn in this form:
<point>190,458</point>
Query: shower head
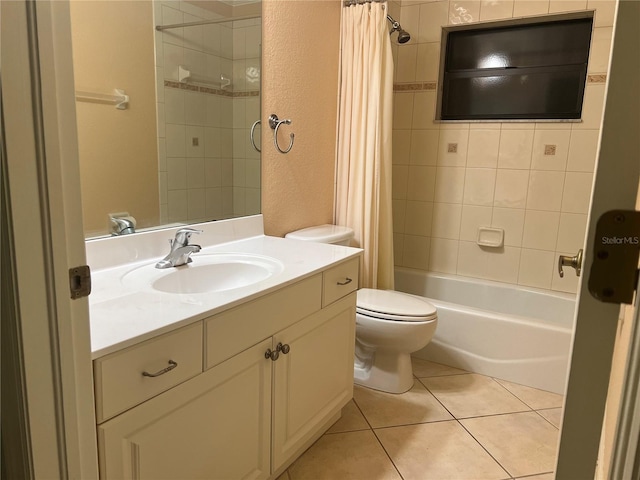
<point>403,35</point>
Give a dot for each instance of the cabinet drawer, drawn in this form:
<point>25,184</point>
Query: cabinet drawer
<point>340,281</point>
<point>119,380</point>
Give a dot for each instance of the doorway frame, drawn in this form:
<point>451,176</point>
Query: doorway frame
<point>47,240</point>
<point>49,229</point>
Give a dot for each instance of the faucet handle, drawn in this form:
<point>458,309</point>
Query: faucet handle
<point>184,234</point>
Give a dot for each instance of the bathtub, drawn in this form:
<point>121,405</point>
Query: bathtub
<point>515,333</point>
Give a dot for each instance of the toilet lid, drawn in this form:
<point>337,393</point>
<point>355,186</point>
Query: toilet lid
<point>392,305</point>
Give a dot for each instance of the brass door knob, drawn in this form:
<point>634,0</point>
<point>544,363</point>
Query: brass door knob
<point>573,262</point>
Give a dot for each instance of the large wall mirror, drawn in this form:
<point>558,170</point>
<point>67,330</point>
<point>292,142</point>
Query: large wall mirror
<point>180,150</point>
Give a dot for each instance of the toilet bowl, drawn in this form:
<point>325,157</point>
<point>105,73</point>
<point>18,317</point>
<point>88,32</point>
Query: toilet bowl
<point>389,325</point>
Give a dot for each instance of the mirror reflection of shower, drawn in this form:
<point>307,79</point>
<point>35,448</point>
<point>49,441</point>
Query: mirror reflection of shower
<point>403,35</point>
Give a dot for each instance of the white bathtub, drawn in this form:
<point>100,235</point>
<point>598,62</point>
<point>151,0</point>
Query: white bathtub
<point>514,333</point>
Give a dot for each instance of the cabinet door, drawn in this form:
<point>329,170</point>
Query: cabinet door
<point>315,379</point>
<point>215,426</point>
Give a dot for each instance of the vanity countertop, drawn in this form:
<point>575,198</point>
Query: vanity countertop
<point>121,316</point>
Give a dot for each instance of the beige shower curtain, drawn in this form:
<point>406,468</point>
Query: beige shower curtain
<point>363,191</point>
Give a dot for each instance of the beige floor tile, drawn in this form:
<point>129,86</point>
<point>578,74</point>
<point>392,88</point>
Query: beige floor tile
<point>442,450</point>
<point>344,456</point>
<point>544,476</point>
<point>425,368</point>
<point>284,476</point>
<point>554,415</point>
<point>350,421</point>
<point>536,399</point>
<point>523,443</point>
<point>473,395</point>
<point>388,409</point>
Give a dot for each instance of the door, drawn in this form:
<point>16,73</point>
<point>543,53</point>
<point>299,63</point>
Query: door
<point>314,380</point>
<point>615,187</point>
<point>214,426</point>
<point>42,240</point>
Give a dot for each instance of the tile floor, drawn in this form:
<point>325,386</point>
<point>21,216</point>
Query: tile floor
<point>451,425</point>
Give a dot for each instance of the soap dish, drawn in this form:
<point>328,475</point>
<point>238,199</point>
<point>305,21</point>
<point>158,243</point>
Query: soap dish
<point>490,237</point>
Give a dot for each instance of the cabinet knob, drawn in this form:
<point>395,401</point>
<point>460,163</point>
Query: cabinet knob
<point>272,354</point>
<point>275,354</point>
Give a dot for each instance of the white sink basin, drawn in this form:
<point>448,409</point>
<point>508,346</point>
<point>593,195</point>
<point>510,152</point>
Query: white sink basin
<point>206,274</point>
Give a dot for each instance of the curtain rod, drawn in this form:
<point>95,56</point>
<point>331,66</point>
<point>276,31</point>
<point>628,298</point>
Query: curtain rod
<point>205,22</point>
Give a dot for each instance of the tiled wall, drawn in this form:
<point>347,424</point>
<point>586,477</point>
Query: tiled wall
<point>207,167</point>
<point>531,179</point>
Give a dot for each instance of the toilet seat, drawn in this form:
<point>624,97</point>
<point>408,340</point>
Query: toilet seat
<point>392,305</point>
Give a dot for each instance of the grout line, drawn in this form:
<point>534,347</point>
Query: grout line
<point>442,375</point>
<point>375,435</point>
<point>514,395</point>
<point>388,455</point>
<point>546,419</point>
<point>535,475</point>
<point>362,413</point>
<point>437,399</point>
<point>485,449</point>
<point>347,431</point>
<point>495,415</point>
<point>459,423</point>
<point>415,424</point>
<point>456,419</point>
<point>531,407</point>
<point>481,416</point>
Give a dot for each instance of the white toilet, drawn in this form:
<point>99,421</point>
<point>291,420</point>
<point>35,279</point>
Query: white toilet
<point>389,325</point>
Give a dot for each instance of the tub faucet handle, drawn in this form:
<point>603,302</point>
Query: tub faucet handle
<point>573,262</point>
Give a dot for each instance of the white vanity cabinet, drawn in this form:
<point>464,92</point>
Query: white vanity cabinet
<point>314,380</point>
<point>217,424</point>
<point>248,414</point>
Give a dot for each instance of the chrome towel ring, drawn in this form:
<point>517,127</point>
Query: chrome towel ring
<point>275,123</point>
<point>253,129</point>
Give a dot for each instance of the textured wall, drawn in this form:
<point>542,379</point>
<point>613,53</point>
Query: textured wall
<point>301,43</point>
<point>118,153</point>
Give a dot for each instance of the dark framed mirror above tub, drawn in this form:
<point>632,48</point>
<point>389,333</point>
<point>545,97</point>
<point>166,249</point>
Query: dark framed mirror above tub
<point>521,69</point>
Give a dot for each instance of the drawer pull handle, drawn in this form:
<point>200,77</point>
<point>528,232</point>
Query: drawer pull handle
<point>346,282</point>
<point>171,366</point>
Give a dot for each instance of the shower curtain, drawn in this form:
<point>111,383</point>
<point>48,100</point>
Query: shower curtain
<point>363,172</point>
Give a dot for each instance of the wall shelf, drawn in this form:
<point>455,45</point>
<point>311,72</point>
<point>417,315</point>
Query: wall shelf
<point>119,98</point>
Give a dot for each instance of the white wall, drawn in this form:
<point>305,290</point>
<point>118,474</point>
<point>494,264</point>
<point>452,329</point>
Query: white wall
<point>500,175</point>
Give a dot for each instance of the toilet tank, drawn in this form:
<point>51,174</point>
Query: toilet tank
<point>334,234</point>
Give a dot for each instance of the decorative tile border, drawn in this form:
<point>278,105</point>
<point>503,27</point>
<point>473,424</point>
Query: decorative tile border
<point>209,90</point>
<point>414,87</point>
<point>598,78</point>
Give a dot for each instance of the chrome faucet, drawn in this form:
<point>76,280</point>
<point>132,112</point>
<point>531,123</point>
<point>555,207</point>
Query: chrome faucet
<point>181,249</point>
<point>122,226</point>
